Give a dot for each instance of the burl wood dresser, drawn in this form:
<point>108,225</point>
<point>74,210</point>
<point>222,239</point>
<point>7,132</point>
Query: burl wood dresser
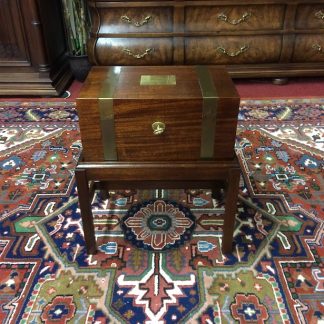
<point>268,38</point>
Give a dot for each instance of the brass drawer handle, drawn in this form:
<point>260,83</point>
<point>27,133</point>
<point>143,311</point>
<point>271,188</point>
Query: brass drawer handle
<point>242,49</point>
<point>138,56</point>
<point>318,48</point>
<point>319,15</point>
<point>158,128</point>
<point>130,21</point>
<point>234,22</point>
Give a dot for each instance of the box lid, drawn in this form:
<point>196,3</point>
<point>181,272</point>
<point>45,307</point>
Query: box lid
<point>152,82</point>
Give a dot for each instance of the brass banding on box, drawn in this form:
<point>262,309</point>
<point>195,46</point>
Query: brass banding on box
<point>209,110</point>
<point>107,122</point>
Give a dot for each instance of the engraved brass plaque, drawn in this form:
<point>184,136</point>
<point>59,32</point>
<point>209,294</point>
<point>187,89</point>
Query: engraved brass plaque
<point>158,80</point>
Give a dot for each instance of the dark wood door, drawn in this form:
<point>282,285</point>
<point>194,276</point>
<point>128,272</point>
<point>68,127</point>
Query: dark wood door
<point>13,49</point>
<point>33,58</point>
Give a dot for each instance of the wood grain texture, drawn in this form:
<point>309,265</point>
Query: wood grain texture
<point>309,16</point>
<point>309,47</point>
<point>136,20</point>
<point>134,134</point>
<point>175,171</point>
<point>192,32</point>
<point>233,49</point>
<point>137,107</point>
<point>234,18</point>
<point>134,51</point>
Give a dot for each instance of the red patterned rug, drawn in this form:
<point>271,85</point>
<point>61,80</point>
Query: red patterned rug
<point>275,274</point>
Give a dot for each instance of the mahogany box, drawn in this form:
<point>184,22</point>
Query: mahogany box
<point>158,113</point>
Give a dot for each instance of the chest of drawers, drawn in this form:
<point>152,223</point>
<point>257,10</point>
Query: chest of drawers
<point>253,39</point>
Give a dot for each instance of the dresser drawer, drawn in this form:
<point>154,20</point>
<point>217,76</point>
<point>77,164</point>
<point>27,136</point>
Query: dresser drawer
<point>232,49</point>
<point>309,48</point>
<point>310,16</point>
<point>233,18</point>
<point>133,51</point>
<point>136,20</point>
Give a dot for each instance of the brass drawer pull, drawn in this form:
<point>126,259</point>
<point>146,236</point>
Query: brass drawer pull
<point>319,15</point>
<point>242,49</point>
<point>138,56</point>
<point>318,48</point>
<point>225,18</point>
<point>158,128</point>
<point>136,23</point>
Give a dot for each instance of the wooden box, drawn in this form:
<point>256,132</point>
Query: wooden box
<point>158,113</point>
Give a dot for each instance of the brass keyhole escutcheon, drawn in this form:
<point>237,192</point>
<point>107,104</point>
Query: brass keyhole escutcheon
<point>158,128</point>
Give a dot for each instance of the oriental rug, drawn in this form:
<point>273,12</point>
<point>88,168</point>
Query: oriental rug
<point>274,275</point>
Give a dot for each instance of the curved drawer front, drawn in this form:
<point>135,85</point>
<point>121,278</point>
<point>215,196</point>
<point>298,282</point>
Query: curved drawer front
<point>133,51</point>
<point>310,16</point>
<point>309,48</point>
<point>232,49</point>
<point>233,18</point>
<point>135,20</point>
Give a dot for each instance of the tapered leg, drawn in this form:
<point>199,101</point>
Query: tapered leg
<point>230,209</point>
<point>85,208</point>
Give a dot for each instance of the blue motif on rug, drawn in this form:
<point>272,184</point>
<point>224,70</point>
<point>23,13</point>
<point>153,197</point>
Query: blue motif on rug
<point>158,225</point>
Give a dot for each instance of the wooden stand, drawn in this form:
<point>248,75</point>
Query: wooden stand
<point>115,175</point>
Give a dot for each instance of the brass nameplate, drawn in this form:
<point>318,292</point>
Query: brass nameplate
<point>158,80</point>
